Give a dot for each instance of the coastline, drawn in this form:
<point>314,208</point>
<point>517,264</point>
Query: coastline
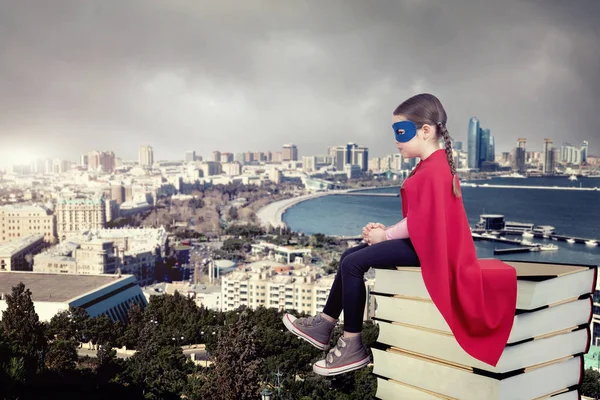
<point>272,213</point>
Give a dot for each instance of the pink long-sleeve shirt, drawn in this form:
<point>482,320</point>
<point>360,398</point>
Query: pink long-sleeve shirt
<point>397,231</point>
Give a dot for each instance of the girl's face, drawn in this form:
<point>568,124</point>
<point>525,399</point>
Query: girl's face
<point>413,148</point>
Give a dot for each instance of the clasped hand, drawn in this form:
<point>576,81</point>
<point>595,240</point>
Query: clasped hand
<point>373,233</point>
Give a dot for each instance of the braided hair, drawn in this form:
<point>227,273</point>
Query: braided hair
<point>448,144</point>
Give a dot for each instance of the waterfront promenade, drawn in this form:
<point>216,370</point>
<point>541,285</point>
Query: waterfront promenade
<point>272,213</point>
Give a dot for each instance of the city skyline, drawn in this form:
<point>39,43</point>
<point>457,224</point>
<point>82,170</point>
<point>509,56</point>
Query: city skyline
<point>209,155</point>
<point>183,77</point>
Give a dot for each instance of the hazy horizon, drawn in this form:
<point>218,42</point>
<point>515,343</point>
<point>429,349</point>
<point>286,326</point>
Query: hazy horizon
<point>184,75</point>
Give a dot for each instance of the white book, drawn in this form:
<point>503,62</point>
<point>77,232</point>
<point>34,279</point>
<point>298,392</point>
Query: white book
<point>461,383</point>
<point>389,389</point>
<point>526,325</point>
<point>443,346</point>
<point>538,284</point>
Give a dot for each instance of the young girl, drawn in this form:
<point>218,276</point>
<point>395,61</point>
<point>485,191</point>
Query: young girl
<point>476,298</point>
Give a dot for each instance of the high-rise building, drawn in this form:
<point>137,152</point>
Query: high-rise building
<point>146,156</point>
<point>584,151</point>
<point>484,146</point>
<point>360,157</point>
<point>239,157</point>
<point>259,156</point>
<point>340,157</point>
<point>520,155</point>
<point>290,152</point>
<point>309,164</point>
<point>101,161</point>
<point>84,160</point>
<point>232,168</point>
<point>277,157</point>
<point>349,151</point>
<point>457,145</point>
<point>190,156</point>
<point>570,154</point>
<point>216,156</point>
<point>491,153</point>
<point>473,143</point>
<point>375,164</point>
<point>548,162</point>
<point>226,157</point>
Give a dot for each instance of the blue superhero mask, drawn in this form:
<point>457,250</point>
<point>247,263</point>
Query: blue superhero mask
<point>404,131</point>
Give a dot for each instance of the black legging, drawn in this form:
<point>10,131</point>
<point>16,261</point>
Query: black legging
<point>348,289</point>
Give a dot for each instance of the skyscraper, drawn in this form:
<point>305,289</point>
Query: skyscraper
<point>491,153</point>
<point>290,152</point>
<point>360,157</point>
<point>146,156</point>
<point>484,146</point>
<point>473,143</point>
<point>216,156</point>
<point>520,155</point>
<point>340,157</point>
<point>584,151</point>
<point>548,164</point>
<point>190,156</point>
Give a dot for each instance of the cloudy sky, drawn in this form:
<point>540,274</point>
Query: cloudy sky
<point>252,75</point>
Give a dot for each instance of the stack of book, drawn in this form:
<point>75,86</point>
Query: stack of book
<point>416,356</point>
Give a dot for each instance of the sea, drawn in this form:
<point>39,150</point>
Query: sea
<point>571,212</point>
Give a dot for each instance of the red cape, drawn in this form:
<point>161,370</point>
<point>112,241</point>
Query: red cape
<point>477,298</point>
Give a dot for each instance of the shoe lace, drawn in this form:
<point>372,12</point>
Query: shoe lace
<point>310,321</point>
<point>336,350</point>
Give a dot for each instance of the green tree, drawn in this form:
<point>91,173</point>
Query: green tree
<point>22,328</point>
<point>133,329</point>
<point>102,331</point>
<point>158,368</point>
<point>237,367</point>
<point>233,213</point>
<point>589,385</point>
<point>62,355</point>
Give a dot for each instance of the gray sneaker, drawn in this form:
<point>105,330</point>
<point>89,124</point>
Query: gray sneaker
<point>349,354</point>
<point>315,330</point>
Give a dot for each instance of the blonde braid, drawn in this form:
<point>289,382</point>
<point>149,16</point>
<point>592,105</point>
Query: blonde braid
<point>449,157</point>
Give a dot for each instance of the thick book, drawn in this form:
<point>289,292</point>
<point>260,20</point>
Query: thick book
<point>538,284</point>
<point>519,355</point>
<point>434,376</point>
<point>527,323</point>
<point>389,389</point>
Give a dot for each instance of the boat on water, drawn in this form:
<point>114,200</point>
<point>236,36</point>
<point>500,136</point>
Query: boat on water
<point>573,177</point>
<point>528,234</point>
<point>546,230</point>
<point>592,243</point>
<point>548,247</point>
<point>513,175</point>
<point>570,240</point>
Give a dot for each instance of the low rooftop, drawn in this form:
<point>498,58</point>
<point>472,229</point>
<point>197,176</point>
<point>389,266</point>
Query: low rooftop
<point>55,287</point>
<point>16,246</point>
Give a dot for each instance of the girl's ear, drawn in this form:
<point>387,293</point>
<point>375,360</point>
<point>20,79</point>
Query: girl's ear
<point>427,131</point>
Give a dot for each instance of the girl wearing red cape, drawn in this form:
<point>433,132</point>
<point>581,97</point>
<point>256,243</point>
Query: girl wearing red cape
<point>477,298</point>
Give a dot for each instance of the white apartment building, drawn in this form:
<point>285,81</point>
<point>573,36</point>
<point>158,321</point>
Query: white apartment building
<point>79,214</point>
<point>146,156</point>
<point>15,255</point>
<point>106,251</point>
<point>22,220</point>
<point>232,168</point>
<point>302,289</point>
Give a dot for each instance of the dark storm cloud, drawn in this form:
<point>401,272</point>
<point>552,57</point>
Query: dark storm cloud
<point>235,76</point>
